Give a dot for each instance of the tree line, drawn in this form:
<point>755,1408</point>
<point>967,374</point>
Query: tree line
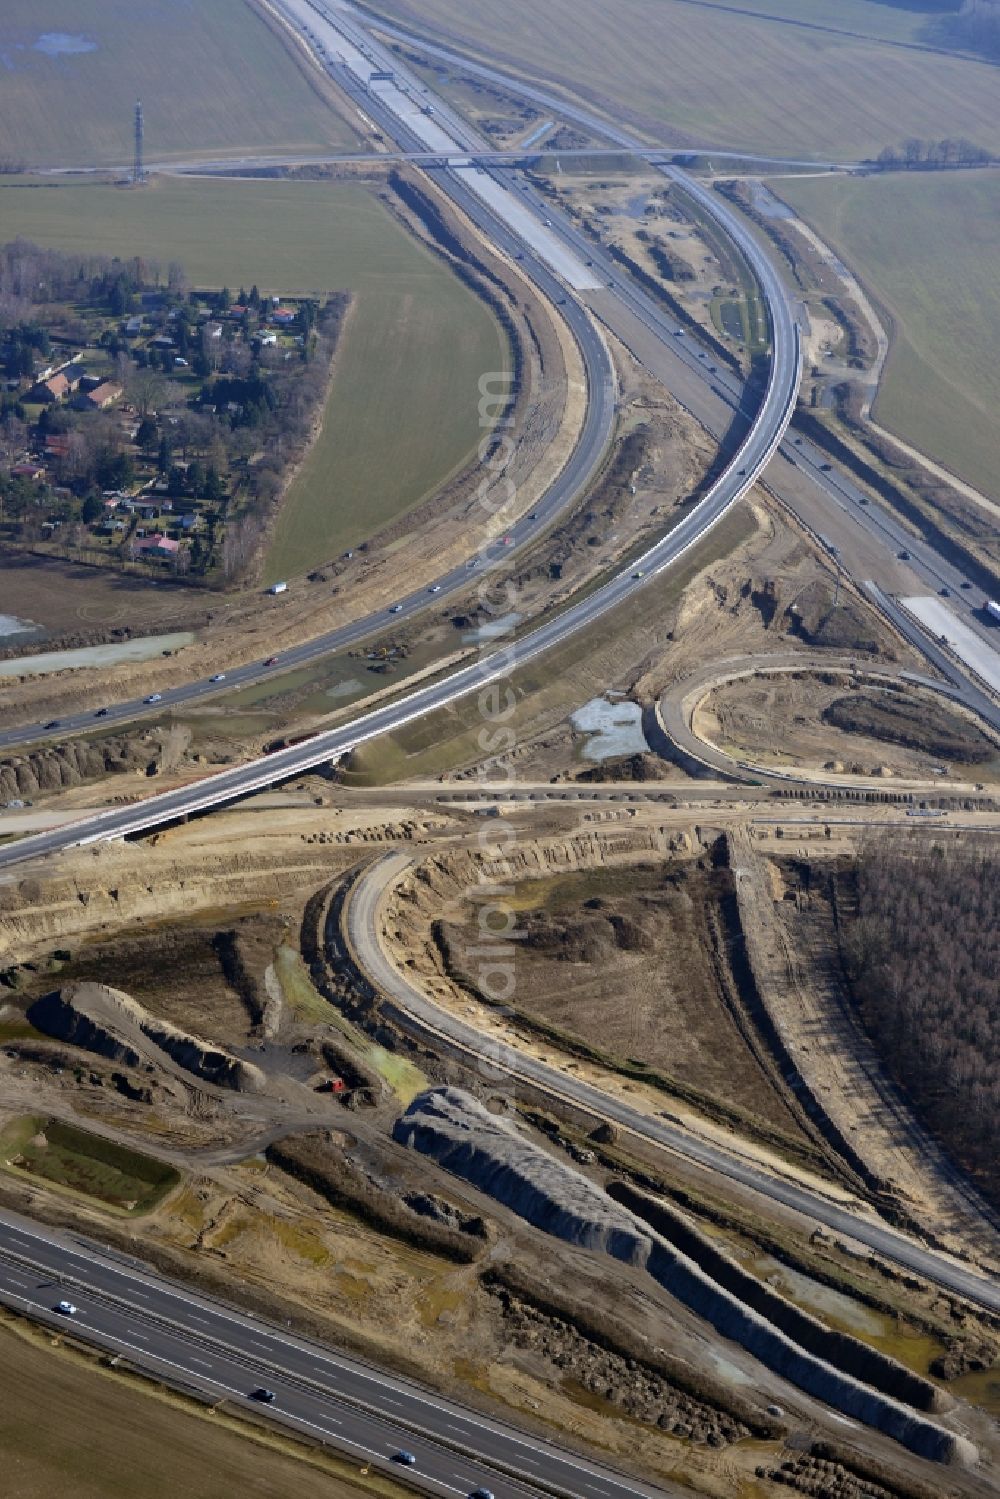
<point>922,953</point>
<point>915,155</point>
<point>976,26</point>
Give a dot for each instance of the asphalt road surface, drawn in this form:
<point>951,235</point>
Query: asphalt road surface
<point>806,482</point>
<point>170,1331</point>
<point>590,447</point>
<point>500,1060</point>
<point>325,748</point>
<point>751,458</point>
<point>821,494</point>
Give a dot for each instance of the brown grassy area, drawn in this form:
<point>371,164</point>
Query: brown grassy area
<point>925,246</point>
<point>79,604</point>
<point>834,720</point>
<point>634,964</point>
<point>106,1437</point>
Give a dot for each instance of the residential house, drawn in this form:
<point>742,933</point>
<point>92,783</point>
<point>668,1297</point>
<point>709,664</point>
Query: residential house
<point>157,545</point>
<point>33,471</point>
<point>284,316</point>
<point>72,374</point>
<point>58,445</point>
<point>104,396</point>
<point>55,388</point>
<point>133,327</point>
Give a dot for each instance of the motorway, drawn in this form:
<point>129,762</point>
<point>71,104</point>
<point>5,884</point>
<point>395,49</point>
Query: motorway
<point>564,491</point>
<point>751,458</point>
<point>172,1333</point>
<point>495,1059</point>
<point>221,1351</point>
<point>820,487</point>
<point>322,749</point>
<point>804,481</point>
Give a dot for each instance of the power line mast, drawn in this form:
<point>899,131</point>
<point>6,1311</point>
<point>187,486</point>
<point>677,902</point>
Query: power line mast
<point>138,171</point>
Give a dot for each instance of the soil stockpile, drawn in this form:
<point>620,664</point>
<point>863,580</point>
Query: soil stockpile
<point>839,1348</point>
<point>494,1155</point>
<point>111,1023</point>
<point>914,723</point>
<point>79,760</point>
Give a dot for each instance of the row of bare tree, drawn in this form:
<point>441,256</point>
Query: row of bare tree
<point>923,956</point>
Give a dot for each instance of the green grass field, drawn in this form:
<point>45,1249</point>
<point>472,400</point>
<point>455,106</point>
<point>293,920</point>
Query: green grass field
<point>927,247</point>
<point>202,70</point>
<point>754,81</point>
<point>63,1156</point>
<point>403,411</point>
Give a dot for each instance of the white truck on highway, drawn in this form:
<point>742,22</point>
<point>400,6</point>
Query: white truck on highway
<point>993,610</point>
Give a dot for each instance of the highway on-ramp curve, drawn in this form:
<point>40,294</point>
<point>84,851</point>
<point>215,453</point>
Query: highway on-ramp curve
<point>228,785</point>
<point>169,1331</point>
<point>565,489</point>
<point>601,386</point>
<point>758,447</point>
<point>418,1012</point>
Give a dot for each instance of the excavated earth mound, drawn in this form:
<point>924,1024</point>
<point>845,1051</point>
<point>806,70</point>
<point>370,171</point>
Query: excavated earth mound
<point>458,1132</point>
<point>113,1024</point>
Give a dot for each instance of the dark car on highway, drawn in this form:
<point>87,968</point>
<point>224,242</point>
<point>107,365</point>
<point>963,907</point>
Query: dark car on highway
<point>265,1396</point>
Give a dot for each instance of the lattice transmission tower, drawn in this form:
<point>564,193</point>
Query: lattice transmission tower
<point>138,171</point>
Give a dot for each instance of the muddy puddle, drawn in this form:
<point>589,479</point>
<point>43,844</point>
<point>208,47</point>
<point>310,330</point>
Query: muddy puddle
<point>612,729</point>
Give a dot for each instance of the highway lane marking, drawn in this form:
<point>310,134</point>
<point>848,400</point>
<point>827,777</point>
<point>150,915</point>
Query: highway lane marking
<point>241,1395</point>
<point>555,1456</point>
<point>280,1342</point>
<point>778,303</point>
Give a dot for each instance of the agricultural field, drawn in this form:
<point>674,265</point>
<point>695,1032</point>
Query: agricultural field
<point>113,1439</point>
<point>403,409</point>
<point>72,70</point>
<point>926,248</point>
<point>696,73</point>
